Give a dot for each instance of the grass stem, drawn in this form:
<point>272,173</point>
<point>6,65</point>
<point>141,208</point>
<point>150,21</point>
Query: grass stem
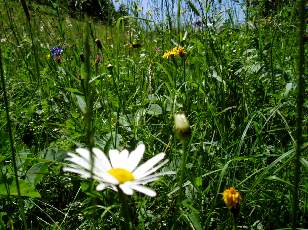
<point>13,150</point>
<point>299,118</point>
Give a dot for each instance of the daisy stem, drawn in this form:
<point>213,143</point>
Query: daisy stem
<point>126,212</point>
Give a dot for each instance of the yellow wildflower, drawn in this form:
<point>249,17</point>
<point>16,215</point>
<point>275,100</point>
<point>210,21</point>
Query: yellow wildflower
<point>169,54</point>
<point>231,198</point>
<point>177,51</point>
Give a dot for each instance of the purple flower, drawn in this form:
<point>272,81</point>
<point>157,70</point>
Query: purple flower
<point>56,52</point>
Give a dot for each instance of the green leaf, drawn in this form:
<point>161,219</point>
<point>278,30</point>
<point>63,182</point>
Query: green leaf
<point>198,181</point>
<point>36,172</point>
<point>154,110</point>
<point>276,178</point>
<point>81,103</point>
<point>304,162</point>
<point>289,87</point>
<point>26,189</point>
<point>74,91</point>
<point>170,80</point>
<point>192,215</point>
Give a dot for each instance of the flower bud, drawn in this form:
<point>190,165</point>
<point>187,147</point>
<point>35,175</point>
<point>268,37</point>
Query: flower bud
<point>231,197</point>
<point>182,127</point>
<point>82,58</point>
<point>98,43</point>
<point>109,66</point>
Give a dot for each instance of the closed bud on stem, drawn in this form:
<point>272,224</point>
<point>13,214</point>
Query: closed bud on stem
<point>82,58</point>
<point>181,125</point>
<point>98,43</point>
<point>232,199</point>
<point>109,66</point>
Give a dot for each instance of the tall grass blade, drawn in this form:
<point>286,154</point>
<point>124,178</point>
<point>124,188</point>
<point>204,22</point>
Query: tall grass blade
<point>13,150</point>
<point>300,103</point>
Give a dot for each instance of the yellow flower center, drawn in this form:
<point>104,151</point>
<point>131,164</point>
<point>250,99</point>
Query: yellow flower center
<point>122,175</point>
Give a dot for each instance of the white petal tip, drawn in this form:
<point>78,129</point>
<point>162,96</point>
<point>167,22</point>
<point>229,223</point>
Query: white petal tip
<point>100,187</point>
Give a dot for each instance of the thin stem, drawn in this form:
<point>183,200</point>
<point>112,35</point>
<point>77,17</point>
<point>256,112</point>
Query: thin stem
<point>126,212</point>
<point>299,118</point>
<point>182,169</point>
<point>179,20</point>
<point>26,11</point>
<point>88,94</point>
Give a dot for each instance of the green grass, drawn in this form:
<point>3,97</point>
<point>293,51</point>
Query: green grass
<point>236,84</point>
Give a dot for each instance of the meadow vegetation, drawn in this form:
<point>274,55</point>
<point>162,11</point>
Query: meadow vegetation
<point>116,86</point>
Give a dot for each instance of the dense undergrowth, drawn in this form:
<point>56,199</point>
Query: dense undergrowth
<point>235,82</point>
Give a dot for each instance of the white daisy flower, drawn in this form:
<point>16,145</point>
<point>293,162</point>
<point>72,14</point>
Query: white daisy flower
<point>119,171</point>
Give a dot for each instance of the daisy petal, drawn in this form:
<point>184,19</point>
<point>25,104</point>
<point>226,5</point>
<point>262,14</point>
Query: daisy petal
<point>80,161</point>
<point>149,172</point>
<point>81,172</point>
<point>154,177</point>
<point>100,187</point>
<point>142,189</point>
<point>135,157</point>
<point>84,153</point>
<point>107,178</point>
<point>103,160</point>
<point>124,155</point>
<point>142,169</point>
<point>148,180</point>
<point>114,157</point>
<point>126,188</point>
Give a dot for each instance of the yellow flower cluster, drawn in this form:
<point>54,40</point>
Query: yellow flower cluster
<point>177,51</point>
<point>231,197</point>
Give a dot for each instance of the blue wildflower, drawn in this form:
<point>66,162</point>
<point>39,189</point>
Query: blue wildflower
<point>56,52</point>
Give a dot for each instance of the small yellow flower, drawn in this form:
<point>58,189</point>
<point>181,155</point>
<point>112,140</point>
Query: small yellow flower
<point>231,198</point>
<point>176,51</point>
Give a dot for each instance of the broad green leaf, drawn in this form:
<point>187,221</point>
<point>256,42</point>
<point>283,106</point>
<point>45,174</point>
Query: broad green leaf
<point>36,172</point>
<point>154,110</point>
<point>26,189</point>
